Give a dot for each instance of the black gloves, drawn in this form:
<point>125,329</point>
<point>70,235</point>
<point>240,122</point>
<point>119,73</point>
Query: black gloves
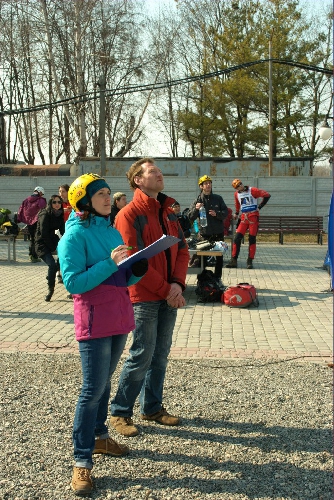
<point>139,268</point>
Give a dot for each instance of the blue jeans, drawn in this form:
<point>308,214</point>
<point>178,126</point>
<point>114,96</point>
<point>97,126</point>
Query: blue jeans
<point>53,268</point>
<point>144,370</point>
<point>99,358</point>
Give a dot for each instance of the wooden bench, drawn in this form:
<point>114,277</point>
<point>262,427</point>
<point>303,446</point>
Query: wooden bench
<point>11,241</point>
<point>205,253</point>
<point>290,224</point>
<point>212,253</point>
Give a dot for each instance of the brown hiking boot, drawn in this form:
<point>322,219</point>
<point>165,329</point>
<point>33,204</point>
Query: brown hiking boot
<point>249,263</point>
<point>110,447</point>
<point>162,417</point>
<point>232,263</point>
<point>81,483</point>
<point>124,426</point>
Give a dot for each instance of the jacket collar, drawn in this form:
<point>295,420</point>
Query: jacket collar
<point>162,199</point>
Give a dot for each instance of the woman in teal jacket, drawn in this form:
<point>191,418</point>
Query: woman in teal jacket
<point>89,254</point>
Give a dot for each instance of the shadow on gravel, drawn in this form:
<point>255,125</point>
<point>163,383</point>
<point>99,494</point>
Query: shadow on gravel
<point>265,438</point>
<point>272,480</point>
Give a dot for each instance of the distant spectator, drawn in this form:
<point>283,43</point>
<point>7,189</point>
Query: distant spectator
<point>50,220</point>
<point>118,203</point>
<point>247,210</point>
<point>228,221</point>
<point>182,218</point>
<point>63,193</point>
<point>28,213</point>
<point>216,212</point>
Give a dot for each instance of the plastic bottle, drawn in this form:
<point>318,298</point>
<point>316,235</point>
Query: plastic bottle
<point>202,217</point>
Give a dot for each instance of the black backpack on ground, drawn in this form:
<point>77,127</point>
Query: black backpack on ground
<point>208,287</point>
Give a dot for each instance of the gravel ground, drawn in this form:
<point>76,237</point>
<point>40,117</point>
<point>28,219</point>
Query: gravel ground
<point>251,429</point>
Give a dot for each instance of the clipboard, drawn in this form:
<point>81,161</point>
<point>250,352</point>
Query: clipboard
<point>158,246</point>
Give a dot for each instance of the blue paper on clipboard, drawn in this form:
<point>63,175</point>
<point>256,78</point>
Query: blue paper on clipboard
<point>158,246</point>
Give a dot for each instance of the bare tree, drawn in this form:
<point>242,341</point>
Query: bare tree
<point>64,48</point>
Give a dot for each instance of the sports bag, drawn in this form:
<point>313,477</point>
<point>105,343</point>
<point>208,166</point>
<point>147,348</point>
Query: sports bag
<point>10,228</point>
<point>204,245</point>
<point>208,287</point>
<point>241,295</point>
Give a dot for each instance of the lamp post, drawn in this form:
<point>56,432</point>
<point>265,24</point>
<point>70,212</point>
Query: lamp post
<point>325,131</point>
<point>102,85</point>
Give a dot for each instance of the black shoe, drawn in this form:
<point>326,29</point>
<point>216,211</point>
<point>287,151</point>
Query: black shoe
<point>49,295</point>
<point>249,263</point>
<point>232,263</point>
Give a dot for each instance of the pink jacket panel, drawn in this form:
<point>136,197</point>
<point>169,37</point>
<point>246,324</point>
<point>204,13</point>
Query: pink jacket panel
<point>103,311</point>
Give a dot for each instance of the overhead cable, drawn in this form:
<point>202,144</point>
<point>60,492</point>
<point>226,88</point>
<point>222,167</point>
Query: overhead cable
<point>131,89</point>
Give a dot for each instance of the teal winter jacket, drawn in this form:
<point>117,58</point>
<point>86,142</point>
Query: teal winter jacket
<point>101,300</point>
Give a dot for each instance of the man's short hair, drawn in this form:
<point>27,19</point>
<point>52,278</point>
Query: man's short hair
<point>136,170</point>
<point>117,196</point>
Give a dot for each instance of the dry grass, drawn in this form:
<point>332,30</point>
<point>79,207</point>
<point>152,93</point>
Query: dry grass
<point>290,238</point>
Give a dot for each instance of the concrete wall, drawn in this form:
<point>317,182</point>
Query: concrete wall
<point>289,195</point>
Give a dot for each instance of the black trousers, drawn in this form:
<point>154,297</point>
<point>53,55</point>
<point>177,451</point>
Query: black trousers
<point>218,272</point>
<point>32,232</point>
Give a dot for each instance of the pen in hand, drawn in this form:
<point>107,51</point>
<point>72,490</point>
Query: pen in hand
<point>128,248</point>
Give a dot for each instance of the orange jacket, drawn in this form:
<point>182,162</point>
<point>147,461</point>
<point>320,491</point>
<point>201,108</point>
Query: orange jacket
<point>140,224</point>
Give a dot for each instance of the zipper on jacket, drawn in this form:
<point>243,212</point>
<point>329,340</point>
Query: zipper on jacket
<point>90,321</point>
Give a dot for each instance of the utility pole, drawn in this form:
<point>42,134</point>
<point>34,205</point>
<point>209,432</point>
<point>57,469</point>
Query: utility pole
<point>102,85</point>
<point>270,169</point>
<point>3,158</point>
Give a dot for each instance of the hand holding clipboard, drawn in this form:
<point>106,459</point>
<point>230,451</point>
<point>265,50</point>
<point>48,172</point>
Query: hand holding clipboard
<point>158,246</point>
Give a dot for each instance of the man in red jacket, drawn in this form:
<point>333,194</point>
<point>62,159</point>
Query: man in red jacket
<point>245,200</point>
<point>155,298</point>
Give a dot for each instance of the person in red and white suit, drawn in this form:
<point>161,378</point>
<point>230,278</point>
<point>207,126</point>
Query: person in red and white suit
<point>247,211</point>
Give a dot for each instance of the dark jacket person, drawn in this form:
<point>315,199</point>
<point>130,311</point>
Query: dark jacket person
<point>49,220</point>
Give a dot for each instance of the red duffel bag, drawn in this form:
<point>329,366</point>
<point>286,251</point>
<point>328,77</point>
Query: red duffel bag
<point>241,295</point>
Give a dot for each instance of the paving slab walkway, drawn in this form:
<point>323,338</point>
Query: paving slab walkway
<point>294,318</point>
